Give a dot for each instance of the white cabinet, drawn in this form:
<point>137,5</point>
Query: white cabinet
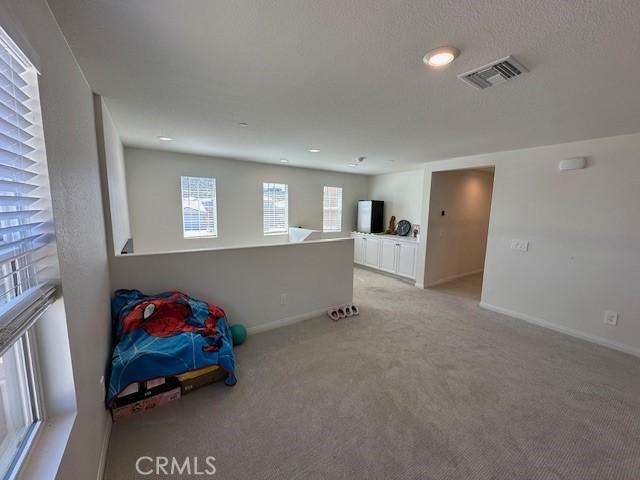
<point>371,252</point>
<point>396,255</point>
<point>388,256</point>
<point>358,249</point>
<point>406,263</point>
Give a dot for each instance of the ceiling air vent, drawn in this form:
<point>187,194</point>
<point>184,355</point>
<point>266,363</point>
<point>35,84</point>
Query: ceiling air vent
<point>494,73</point>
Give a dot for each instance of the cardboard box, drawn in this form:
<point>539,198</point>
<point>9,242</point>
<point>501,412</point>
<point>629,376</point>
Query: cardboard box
<point>139,391</point>
<point>159,385</point>
<point>149,395</point>
<point>131,394</point>
<point>191,381</point>
<point>162,398</point>
<point>153,393</point>
<point>127,410</point>
<point>155,382</point>
<point>145,404</point>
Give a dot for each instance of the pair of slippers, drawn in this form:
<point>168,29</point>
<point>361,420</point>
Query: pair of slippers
<point>338,313</point>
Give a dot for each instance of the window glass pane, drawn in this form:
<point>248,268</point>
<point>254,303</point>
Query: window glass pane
<point>199,209</point>
<point>275,201</point>
<point>332,209</point>
<point>16,414</point>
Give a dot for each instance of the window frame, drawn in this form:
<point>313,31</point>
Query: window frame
<point>286,228</point>
<point>55,410</point>
<point>214,234</point>
<point>339,210</point>
<point>36,404</point>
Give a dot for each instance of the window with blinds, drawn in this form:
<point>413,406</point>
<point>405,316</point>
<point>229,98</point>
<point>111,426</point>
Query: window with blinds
<point>275,202</point>
<point>199,208</point>
<point>28,257</point>
<point>332,209</point>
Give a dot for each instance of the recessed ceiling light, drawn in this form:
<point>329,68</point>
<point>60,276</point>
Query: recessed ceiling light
<point>314,150</point>
<point>352,165</point>
<point>243,124</point>
<point>164,139</point>
<point>439,57</point>
<point>284,160</point>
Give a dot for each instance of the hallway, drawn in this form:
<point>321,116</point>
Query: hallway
<point>469,287</point>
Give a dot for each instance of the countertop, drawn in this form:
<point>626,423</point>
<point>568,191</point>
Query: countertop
<point>390,237</point>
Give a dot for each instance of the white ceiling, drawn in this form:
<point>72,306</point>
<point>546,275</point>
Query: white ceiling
<point>347,76</point>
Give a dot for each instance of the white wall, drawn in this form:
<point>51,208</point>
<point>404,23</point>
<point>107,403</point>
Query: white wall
<point>69,130</point>
<point>155,209</point>
<point>248,282</point>
<point>584,234</point>
<point>114,186</point>
<point>457,241</point>
<point>402,195</point>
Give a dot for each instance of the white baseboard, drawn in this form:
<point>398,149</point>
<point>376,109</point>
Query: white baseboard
<point>105,447</point>
<point>451,278</point>
<point>286,321</point>
<point>568,331</point>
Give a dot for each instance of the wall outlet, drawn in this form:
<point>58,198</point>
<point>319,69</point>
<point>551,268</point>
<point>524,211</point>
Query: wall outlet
<point>611,318</point>
<point>102,385</point>
<point>520,245</point>
<point>283,299</point>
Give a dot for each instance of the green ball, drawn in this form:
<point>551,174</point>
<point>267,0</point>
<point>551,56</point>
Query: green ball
<point>238,333</point>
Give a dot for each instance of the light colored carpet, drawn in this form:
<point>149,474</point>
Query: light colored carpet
<point>422,385</point>
<point>469,287</point>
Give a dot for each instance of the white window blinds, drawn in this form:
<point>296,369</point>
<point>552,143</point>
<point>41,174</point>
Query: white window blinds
<point>28,260</point>
<point>275,201</point>
<point>332,209</point>
<point>199,208</point>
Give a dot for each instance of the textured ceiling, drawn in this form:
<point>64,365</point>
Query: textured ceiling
<point>347,76</point>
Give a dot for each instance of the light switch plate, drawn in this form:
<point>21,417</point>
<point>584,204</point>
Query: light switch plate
<point>611,318</point>
<point>520,245</point>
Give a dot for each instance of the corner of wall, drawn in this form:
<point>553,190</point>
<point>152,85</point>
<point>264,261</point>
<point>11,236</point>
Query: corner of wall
<point>112,179</point>
<point>102,163</point>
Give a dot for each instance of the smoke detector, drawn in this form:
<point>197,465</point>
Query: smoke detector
<point>494,73</point>
<point>359,161</point>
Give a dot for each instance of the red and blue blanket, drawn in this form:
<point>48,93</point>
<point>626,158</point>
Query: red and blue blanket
<point>164,335</point>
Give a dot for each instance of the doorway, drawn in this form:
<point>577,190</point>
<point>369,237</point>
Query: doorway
<point>459,210</point>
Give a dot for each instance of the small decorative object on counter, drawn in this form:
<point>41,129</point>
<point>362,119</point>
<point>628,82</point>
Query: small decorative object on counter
<point>404,227</point>
<point>416,230</point>
<point>391,230</point>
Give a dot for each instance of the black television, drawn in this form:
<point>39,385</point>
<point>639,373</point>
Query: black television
<point>370,216</point>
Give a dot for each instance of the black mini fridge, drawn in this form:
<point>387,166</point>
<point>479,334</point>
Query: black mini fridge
<point>370,216</point>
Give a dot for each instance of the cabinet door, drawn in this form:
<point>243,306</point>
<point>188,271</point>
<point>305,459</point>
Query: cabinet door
<point>388,256</point>
<point>358,249</point>
<point>372,252</point>
<point>407,260</point>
